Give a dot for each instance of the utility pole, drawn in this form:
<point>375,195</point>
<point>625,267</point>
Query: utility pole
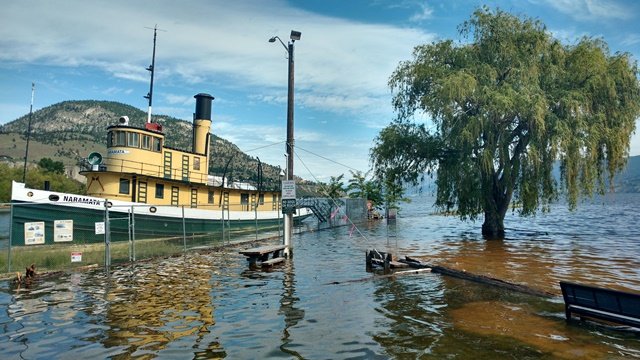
<point>288,219</point>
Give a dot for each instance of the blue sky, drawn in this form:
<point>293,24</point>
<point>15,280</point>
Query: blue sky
<point>78,49</point>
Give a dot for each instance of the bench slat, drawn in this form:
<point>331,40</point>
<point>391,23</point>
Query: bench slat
<point>599,303</point>
<point>273,261</point>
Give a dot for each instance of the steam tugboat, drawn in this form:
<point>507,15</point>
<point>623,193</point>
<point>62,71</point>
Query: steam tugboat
<point>162,190</point>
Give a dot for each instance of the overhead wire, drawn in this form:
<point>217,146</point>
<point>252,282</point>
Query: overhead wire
<point>335,203</point>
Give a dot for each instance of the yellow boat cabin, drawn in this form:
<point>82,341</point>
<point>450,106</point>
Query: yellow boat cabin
<point>139,167</point>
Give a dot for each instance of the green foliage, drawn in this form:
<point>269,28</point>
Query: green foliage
<point>56,167</point>
<point>504,107</point>
<point>334,189</point>
<point>35,179</point>
<point>360,187</point>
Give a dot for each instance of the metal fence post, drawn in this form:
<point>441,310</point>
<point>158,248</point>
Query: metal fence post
<point>184,230</point>
<point>255,216</point>
<point>10,236</point>
<point>107,236</point>
<point>129,211</point>
<point>133,233</point>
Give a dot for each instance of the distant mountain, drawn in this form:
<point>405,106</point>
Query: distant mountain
<point>628,181</point>
<point>70,130</point>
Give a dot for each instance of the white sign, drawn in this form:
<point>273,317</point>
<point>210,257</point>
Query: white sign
<point>62,230</point>
<point>76,257</point>
<point>99,227</point>
<point>288,189</point>
<point>34,233</point>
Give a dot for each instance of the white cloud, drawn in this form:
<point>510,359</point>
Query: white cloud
<point>176,99</point>
<point>211,42</point>
<point>425,13</point>
<point>590,10</point>
<point>630,39</point>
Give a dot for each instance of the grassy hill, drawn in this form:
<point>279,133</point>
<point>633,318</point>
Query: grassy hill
<point>70,130</point>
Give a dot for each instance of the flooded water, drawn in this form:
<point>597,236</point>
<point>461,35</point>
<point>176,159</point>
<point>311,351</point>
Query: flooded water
<point>322,304</point>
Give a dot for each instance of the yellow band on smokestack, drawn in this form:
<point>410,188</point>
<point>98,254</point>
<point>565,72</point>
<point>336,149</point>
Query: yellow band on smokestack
<point>202,123</point>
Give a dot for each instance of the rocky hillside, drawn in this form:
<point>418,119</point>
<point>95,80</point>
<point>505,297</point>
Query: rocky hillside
<point>70,130</point>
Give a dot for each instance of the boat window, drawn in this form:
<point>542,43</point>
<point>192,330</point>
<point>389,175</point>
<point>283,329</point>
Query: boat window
<point>196,163</point>
<point>134,140</point>
<point>159,191</point>
<point>110,139</point>
<point>157,144</point>
<point>121,138</point>
<point>210,197</point>
<point>146,142</point>
<point>175,195</point>
<point>124,186</point>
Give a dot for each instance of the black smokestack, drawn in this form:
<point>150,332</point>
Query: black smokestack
<point>203,106</point>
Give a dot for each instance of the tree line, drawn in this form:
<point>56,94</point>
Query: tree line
<point>45,170</point>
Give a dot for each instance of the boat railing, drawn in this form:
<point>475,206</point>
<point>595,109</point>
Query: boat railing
<point>178,174</point>
<point>143,168</point>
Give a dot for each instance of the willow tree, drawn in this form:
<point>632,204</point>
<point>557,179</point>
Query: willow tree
<point>503,106</point>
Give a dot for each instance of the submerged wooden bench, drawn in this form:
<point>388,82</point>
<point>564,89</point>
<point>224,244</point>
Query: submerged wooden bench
<point>267,255</point>
<point>382,259</point>
<point>596,303</point>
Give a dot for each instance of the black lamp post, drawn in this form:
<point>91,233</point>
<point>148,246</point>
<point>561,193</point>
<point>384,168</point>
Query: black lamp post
<point>288,220</point>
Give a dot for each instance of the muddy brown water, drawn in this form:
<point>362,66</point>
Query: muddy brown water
<point>210,305</point>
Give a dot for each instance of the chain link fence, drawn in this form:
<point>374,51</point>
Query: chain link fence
<point>70,238</point>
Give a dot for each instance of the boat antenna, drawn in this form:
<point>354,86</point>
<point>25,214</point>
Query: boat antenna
<point>151,69</point>
<point>26,153</point>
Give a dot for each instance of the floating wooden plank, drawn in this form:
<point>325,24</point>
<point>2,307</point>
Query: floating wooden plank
<point>482,279</point>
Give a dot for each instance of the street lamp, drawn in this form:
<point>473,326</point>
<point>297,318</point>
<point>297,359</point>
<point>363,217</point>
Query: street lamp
<point>288,220</point>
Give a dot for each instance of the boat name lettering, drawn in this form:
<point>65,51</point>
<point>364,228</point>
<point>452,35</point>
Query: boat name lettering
<point>81,200</point>
<point>117,151</point>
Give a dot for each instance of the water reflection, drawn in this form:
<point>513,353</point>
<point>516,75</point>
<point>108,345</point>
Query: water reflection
<point>412,308</point>
<point>292,314</point>
<point>597,244</point>
<point>323,303</point>
<point>153,305</point>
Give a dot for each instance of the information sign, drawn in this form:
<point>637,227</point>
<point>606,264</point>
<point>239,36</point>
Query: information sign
<point>288,206</point>
<point>34,233</point>
<point>76,257</point>
<point>99,227</point>
<point>62,230</point>
<point>288,189</point>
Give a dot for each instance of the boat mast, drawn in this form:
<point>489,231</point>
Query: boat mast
<point>151,69</point>
<point>26,153</point>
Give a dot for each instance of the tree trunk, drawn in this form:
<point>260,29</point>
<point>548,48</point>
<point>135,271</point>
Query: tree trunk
<point>493,226</point>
